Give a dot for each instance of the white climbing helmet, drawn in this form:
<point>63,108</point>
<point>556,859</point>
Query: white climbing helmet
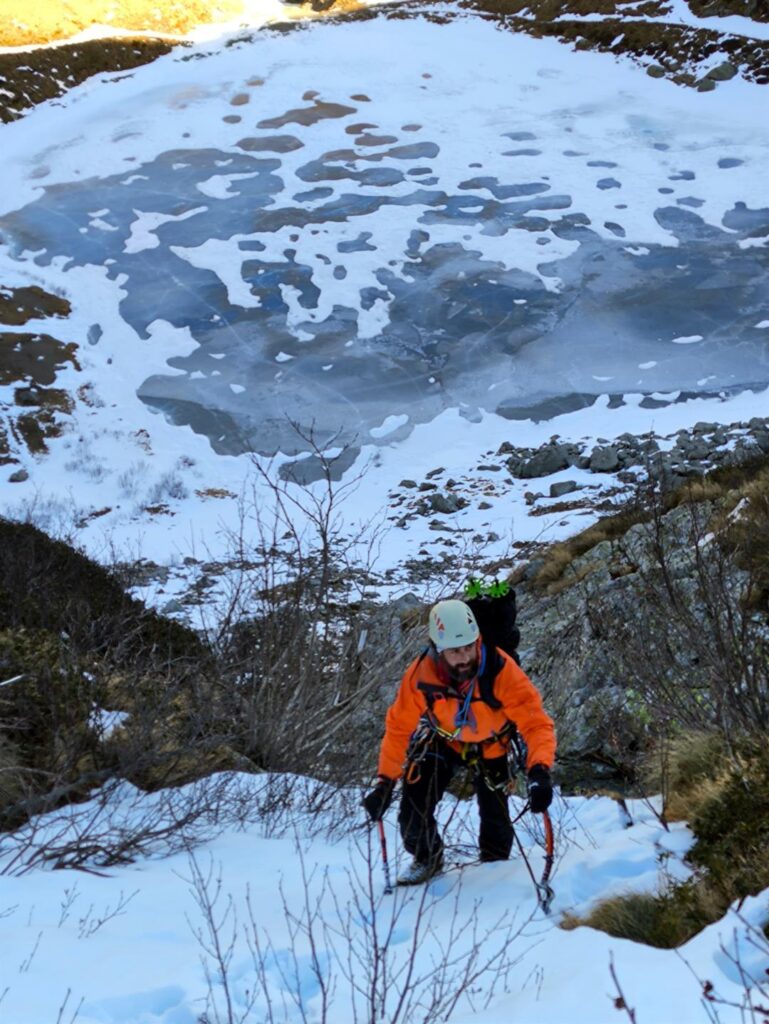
<point>452,624</point>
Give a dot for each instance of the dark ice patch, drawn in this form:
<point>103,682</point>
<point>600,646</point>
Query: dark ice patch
<point>729,161</point>
<point>616,229</point>
<point>607,183</point>
<point>753,223</point>
<point>318,170</point>
<point>314,193</point>
<point>414,151</point>
<point>519,136</point>
<point>601,163</point>
<point>687,227</point>
<point>522,152</point>
<point>359,244</point>
<point>504,191</point>
<point>308,115</point>
<point>375,140</point>
<point>683,176</point>
<point>690,201</point>
<point>270,143</point>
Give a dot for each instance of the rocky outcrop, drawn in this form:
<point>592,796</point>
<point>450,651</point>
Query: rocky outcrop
<point>625,610</point>
<point>672,458</point>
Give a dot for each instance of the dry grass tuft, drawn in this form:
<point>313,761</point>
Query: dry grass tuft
<point>726,800</point>
<point>553,575</point>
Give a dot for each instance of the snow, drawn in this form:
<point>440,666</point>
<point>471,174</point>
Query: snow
<point>690,339</point>
<point>127,944</point>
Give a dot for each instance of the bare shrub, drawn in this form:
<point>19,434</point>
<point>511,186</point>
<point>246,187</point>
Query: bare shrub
<point>121,823</point>
<point>306,656</point>
<point>169,486</point>
<point>344,952</point>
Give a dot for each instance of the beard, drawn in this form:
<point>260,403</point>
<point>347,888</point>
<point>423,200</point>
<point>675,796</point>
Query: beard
<point>462,673</point>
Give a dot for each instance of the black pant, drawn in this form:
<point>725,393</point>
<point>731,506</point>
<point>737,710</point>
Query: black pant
<point>420,798</point>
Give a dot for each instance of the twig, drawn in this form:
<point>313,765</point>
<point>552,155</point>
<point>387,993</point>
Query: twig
<point>620,1003</point>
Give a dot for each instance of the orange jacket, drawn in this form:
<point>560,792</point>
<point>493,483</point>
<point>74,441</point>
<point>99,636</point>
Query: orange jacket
<point>424,686</point>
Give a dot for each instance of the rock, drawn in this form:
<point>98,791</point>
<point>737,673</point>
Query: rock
<point>435,472</point>
<point>706,85</point>
<point>484,505</point>
<point>514,465</point>
<point>557,490</point>
<point>425,486</point>
<point>655,71</point>
<point>604,459</point>
<point>722,73</point>
<point>408,483</point>
<point>18,477</point>
<point>445,503</point>
<point>696,448</point>
<point>505,448</point>
<point>549,459</point>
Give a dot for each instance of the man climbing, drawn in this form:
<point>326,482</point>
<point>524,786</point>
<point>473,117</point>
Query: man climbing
<point>459,703</point>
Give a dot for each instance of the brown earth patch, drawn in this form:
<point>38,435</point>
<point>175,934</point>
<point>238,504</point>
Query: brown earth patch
<point>19,305</point>
<point>28,78</point>
<point>33,358</point>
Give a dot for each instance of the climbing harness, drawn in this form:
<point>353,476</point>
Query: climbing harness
<point>472,756</point>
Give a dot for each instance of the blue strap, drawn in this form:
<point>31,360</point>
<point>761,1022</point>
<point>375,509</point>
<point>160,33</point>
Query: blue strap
<point>464,715</point>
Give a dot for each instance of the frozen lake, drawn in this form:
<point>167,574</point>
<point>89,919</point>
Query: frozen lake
<point>488,223</point>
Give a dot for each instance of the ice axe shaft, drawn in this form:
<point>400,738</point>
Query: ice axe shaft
<point>385,861</point>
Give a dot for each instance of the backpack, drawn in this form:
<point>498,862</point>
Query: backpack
<point>495,610</point>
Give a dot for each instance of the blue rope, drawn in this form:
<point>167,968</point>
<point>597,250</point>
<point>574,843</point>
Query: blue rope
<point>464,715</point>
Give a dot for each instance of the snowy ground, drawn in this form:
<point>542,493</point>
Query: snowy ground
<point>298,912</point>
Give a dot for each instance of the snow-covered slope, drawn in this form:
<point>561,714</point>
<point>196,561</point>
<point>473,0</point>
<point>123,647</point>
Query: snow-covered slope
<point>306,933</point>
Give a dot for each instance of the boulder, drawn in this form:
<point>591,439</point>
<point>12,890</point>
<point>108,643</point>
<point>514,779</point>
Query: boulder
<point>549,459</point>
<point>557,490</point>
<point>445,504</point>
<point>604,459</point>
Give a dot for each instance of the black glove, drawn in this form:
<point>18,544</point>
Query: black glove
<point>379,799</point>
<point>540,788</point>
